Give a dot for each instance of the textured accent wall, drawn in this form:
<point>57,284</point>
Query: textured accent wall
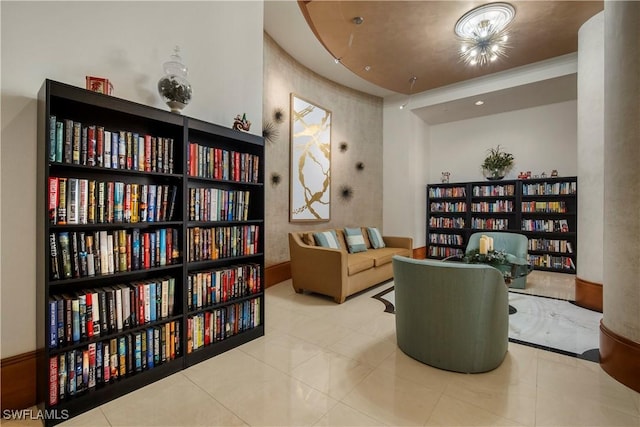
<point>356,120</point>
<point>590,148</point>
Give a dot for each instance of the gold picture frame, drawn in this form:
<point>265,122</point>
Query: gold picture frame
<point>310,162</point>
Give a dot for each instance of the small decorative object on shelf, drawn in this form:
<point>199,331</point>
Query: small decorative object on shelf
<point>523,175</point>
<point>241,123</point>
<point>445,177</point>
<point>174,88</point>
<point>497,163</point>
<point>554,173</point>
<point>543,175</point>
<point>99,84</point>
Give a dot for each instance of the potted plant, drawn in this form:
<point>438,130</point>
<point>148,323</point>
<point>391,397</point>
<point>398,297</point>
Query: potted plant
<point>497,163</point>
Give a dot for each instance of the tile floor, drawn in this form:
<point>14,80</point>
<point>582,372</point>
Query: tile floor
<point>324,364</point>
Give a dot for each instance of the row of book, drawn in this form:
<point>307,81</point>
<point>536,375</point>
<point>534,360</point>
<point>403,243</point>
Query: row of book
<point>88,201</point>
<point>216,325</point>
<point>546,225</point>
<point>72,142</point>
<point>550,245</point>
<point>206,288</point>
<point>496,206</point>
<point>441,192</point>
<point>493,190</point>
<point>84,369</point>
<point>446,239</point>
<point>443,252</point>
<point>448,207</point>
<point>217,163</point>
<point>85,254</point>
<point>549,188</point>
<point>222,242</point>
<point>490,223</point>
<point>83,315</point>
<point>549,261</point>
<point>215,204</point>
<point>544,207</point>
<point>440,222</point>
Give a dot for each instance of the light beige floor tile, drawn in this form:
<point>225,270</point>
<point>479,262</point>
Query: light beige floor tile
<point>381,326</point>
<point>280,290</point>
<point>158,405</point>
<point>592,386</point>
<point>282,351</point>
<point>512,401</point>
<point>94,417</point>
<point>562,409</point>
<point>332,373</point>
<point>364,348</point>
<point>283,401</point>
<point>343,415</point>
<point>229,371</point>
<point>550,284</point>
<point>392,399</point>
<point>321,332</point>
<point>403,366</point>
<point>454,412</point>
<point>520,365</point>
<point>281,319</point>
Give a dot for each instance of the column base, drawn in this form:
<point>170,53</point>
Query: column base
<point>589,294</point>
<point>619,357</point>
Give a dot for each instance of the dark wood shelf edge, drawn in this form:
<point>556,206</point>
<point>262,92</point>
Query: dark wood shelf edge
<point>223,346</point>
<point>93,398</point>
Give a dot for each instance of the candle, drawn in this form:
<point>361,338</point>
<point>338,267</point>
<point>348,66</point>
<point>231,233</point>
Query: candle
<point>483,245</point>
<point>490,243</point>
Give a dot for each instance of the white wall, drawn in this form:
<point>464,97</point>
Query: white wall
<point>541,139</point>
<point>406,168</point>
<point>127,42</point>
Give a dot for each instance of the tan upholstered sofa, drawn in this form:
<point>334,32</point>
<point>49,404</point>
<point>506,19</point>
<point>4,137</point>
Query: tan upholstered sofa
<point>338,273</point>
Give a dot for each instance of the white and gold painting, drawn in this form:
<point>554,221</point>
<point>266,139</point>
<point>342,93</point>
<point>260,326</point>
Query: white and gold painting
<point>310,190</point>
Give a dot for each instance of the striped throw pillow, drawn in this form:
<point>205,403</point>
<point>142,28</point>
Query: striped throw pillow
<point>375,237</point>
<point>355,240</point>
<point>327,239</point>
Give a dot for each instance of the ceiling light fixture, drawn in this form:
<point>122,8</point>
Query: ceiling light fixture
<point>357,21</point>
<point>412,81</point>
<point>483,33</point>
<point>479,102</point>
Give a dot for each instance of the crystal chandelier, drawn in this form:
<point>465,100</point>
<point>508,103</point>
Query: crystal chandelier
<point>483,33</point>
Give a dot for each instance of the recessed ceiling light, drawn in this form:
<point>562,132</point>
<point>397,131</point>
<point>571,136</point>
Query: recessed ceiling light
<point>479,102</point>
<point>367,68</point>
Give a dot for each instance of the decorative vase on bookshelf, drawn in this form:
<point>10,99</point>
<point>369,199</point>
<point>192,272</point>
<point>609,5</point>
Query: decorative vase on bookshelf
<point>173,87</point>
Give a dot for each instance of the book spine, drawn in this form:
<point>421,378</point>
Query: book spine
<point>59,141</point>
<point>106,160</point>
<point>53,380</point>
<point>52,138</point>
<point>76,142</point>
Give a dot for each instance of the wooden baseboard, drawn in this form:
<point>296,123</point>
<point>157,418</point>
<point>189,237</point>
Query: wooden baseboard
<point>420,253</point>
<point>619,357</point>
<point>18,375</point>
<point>277,273</point>
<point>589,294</point>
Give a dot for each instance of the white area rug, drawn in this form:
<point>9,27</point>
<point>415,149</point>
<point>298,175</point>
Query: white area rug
<point>547,323</point>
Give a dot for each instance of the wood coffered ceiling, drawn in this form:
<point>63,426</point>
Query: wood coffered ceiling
<point>401,39</point>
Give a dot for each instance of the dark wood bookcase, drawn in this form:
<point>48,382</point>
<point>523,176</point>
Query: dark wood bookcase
<point>545,210</point>
<point>210,280</point>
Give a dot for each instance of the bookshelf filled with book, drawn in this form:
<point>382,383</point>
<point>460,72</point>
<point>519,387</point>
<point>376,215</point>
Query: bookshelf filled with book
<point>149,248</point>
<point>545,210</point>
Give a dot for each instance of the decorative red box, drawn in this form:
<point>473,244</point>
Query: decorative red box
<point>99,84</point>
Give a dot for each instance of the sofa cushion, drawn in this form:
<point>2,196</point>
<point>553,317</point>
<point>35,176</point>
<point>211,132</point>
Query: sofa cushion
<point>383,256</point>
<point>355,241</point>
<point>358,262</point>
<point>308,238</point>
<point>327,239</point>
<point>376,238</point>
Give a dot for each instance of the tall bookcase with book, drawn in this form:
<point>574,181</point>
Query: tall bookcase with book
<point>545,210</point>
<point>549,220</point>
<point>117,272</point>
<point>447,220</point>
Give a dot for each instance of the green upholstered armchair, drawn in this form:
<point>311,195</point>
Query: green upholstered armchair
<point>515,245</point>
<point>452,316</point>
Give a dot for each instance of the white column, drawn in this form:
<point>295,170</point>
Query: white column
<point>590,148</point>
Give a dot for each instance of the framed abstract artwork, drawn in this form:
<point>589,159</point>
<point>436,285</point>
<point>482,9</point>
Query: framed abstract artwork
<point>310,162</point>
